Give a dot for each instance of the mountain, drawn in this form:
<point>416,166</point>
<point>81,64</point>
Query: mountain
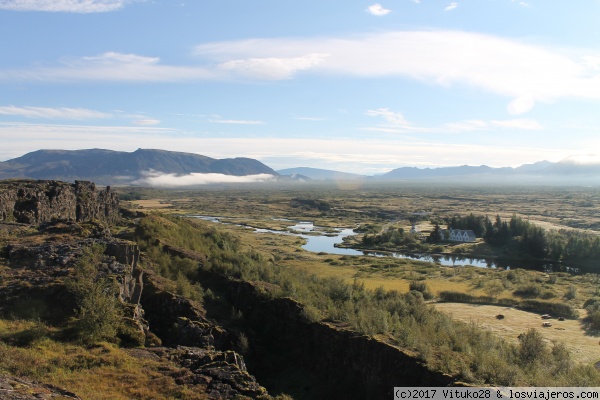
<point>576,166</point>
<point>319,174</point>
<point>444,172</point>
<point>112,167</point>
<point>569,171</point>
<point>537,167</point>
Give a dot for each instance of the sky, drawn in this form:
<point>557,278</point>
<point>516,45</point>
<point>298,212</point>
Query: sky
<point>355,86</point>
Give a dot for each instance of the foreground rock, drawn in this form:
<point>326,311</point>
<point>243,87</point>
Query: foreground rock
<point>12,388</point>
<point>36,202</point>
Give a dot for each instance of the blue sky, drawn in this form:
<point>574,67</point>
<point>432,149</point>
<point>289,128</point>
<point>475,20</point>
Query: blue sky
<point>357,86</point>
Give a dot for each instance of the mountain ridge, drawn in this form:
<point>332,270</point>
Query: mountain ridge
<point>113,167</point>
<point>143,166</point>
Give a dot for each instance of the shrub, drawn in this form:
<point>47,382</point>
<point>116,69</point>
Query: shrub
<point>571,292</point>
<point>98,313</point>
<point>531,347</point>
<point>423,288</point>
<point>548,307</point>
<point>529,290</point>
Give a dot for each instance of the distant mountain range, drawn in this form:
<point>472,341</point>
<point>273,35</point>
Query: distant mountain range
<point>113,167</point>
<point>564,171</point>
<point>153,167</point>
<point>305,173</point>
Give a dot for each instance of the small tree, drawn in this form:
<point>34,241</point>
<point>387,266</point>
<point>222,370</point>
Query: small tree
<point>436,235</point>
<point>98,313</point>
<point>532,347</point>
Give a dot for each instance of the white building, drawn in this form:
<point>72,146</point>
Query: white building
<point>458,235</point>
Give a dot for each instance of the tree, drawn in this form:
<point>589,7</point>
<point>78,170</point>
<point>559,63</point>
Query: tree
<point>98,313</point>
<point>532,347</point>
<point>436,235</point>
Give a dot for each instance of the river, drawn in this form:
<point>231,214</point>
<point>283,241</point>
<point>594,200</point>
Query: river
<point>317,241</point>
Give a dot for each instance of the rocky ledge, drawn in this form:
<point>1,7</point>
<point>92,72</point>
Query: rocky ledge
<point>36,202</point>
<point>13,388</point>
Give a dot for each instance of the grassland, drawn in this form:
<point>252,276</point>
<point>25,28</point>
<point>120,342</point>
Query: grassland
<point>102,371</point>
<point>381,207</point>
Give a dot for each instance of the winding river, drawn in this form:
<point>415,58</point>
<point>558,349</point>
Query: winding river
<point>319,242</point>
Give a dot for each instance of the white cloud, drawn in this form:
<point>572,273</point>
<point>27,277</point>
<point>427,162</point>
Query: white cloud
<point>582,159</point>
<point>524,124</point>
<point>74,6</point>
<point>396,123</point>
<point>378,10</point>
<point>110,66</point>
<point>309,118</point>
<point>521,71</point>
<point>525,73</point>
<point>236,121</point>
<point>521,105</point>
<point>463,126</point>
<point>451,6</point>
<point>158,179</point>
<point>53,113</point>
<point>146,122</point>
<point>395,118</point>
<point>272,68</point>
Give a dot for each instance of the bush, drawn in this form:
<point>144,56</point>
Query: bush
<point>531,347</point>
<point>98,313</point>
<point>529,290</point>
<point>571,292</point>
<point>548,307</point>
<point>459,297</point>
<point>423,288</point>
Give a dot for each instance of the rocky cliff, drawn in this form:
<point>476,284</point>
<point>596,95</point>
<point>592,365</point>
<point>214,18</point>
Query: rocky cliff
<point>37,202</point>
<point>343,363</point>
<point>333,361</point>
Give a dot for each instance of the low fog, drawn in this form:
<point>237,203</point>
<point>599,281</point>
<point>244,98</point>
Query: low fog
<point>159,179</point>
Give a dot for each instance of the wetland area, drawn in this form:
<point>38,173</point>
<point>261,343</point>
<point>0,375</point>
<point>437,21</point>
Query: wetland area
<point>320,230</point>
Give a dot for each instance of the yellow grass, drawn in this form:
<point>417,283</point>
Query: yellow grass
<point>152,204</point>
<point>584,348</point>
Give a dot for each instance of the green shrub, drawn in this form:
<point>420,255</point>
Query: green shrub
<point>571,292</point>
<point>98,313</point>
<point>528,290</point>
<point>423,288</point>
<point>532,347</point>
<point>548,307</point>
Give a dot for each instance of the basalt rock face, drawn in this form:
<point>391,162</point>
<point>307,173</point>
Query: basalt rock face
<point>37,202</point>
<point>362,367</point>
<point>38,272</point>
<point>177,320</point>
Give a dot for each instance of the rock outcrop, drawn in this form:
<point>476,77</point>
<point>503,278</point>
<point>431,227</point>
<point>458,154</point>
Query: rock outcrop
<point>38,271</point>
<point>222,374</point>
<point>13,388</point>
<point>37,202</point>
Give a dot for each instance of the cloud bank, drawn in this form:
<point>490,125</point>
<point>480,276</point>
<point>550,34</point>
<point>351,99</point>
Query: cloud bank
<point>524,72</point>
<point>72,6</point>
<point>53,113</point>
<point>159,179</point>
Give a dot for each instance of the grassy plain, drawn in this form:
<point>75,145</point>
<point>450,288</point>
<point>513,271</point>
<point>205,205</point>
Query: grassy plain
<point>584,347</point>
<point>276,208</point>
